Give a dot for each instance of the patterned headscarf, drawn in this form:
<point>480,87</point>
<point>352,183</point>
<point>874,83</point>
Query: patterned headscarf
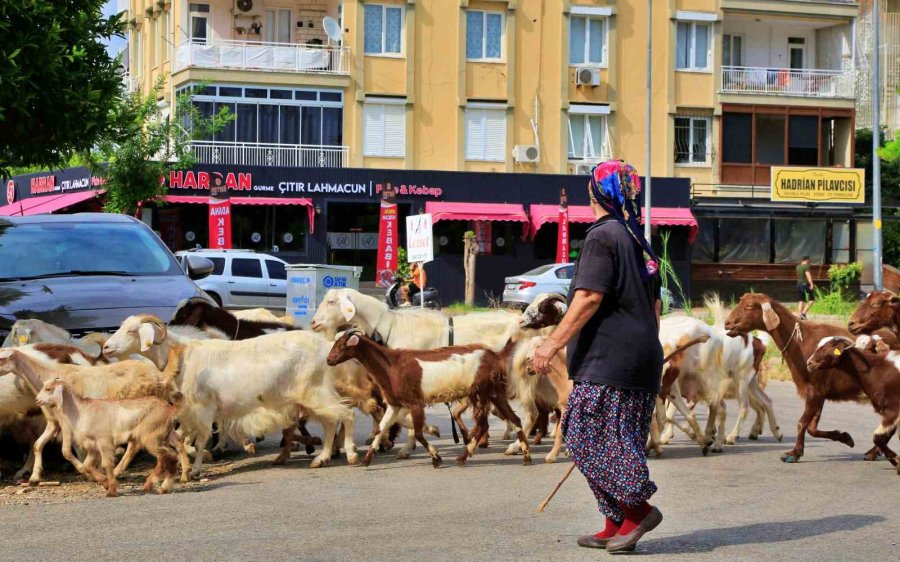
<point>615,186</point>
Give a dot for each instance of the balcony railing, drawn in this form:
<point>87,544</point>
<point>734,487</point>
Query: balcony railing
<point>271,57</point>
<point>787,82</point>
<point>264,154</point>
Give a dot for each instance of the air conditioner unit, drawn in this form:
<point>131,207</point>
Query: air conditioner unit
<point>587,76</point>
<point>526,153</point>
<point>582,168</point>
<point>248,8</point>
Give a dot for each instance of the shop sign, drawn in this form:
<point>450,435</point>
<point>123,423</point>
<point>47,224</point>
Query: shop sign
<point>419,239</point>
<point>387,239</point>
<point>219,217</point>
<point>819,185</point>
<point>483,232</point>
<point>562,238</point>
<point>10,192</point>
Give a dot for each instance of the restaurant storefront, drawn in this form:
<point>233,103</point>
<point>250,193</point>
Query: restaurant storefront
<point>331,215</point>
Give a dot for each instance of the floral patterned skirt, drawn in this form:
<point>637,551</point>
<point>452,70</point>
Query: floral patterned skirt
<point>606,430</point>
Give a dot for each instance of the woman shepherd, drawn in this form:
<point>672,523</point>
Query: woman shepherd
<point>615,359</point>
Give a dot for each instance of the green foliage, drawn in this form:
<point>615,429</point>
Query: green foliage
<point>58,84</point>
<point>145,145</point>
<point>890,168</point>
<point>890,236</point>
<point>844,277</point>
<point>402,264</point>
<point>833,303</point>
<point>890,151</point>
<point>458,308</point>
<point>667,274</point>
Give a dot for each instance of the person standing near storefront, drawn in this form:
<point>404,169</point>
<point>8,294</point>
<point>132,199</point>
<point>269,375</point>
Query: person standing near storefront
<point>805,288</point>
<point>611,331</point>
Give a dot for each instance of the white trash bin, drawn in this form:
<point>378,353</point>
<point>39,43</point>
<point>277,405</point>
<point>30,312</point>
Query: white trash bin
<point>307,284</point>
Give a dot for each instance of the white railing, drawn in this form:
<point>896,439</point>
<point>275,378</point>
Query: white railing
<point>272,57</point>
<point>788,82</point>
<point>265,154</point>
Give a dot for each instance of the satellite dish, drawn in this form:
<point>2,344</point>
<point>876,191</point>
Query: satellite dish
<point>332,29</point>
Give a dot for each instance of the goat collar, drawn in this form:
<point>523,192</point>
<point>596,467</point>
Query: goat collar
<point>376,333</point>
<point>450,331</point>
<point>795,333</point>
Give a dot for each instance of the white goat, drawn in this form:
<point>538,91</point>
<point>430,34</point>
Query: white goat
<point>258,384</point>
<point>32,330</point>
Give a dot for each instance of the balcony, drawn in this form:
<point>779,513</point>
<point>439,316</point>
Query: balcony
<point>807,83</point>
<point>264,57</point>
<point>265,154</point>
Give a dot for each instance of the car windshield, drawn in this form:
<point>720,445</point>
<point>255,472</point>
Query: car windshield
<point>540,270</point>
<point>41,250</point>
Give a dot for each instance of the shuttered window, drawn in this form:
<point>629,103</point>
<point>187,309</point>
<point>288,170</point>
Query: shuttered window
<point>384,130</point>
<point>486,134</point>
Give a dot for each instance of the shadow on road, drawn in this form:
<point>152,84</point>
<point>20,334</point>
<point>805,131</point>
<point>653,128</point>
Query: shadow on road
<point>707,540</point>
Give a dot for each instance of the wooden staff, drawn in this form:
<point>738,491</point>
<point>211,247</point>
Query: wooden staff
<point>568,473</point>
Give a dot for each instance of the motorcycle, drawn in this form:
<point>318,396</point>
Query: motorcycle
<point>392,296</point>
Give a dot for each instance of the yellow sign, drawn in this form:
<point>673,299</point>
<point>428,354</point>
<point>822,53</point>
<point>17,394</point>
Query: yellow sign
<point>821,185</point>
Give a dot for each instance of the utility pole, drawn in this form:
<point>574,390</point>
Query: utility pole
<point>647,170</point>
<point>876,143</point>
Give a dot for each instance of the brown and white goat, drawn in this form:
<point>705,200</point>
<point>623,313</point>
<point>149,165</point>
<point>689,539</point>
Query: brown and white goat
<point>797,340</point>
<point>98,426</point>
<point>878,375</point>
<point>879,310</point>
<point>411,379</point>
<point>547,309</point>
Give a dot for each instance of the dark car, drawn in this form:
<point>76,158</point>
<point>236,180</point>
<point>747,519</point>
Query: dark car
<point>88,272</point>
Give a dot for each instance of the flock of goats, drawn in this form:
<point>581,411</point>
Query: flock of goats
<point>164,387</point>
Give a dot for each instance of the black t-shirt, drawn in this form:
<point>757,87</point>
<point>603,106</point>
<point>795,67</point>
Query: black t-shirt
<point>619,346</point>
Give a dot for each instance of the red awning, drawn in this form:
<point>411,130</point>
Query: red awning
<point>542,214</point>
<point>303,201</point>
<point>675,216</point>
<point>47,203</point>
<point>453,211</point>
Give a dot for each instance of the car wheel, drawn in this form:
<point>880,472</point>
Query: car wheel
<point>215,297</point>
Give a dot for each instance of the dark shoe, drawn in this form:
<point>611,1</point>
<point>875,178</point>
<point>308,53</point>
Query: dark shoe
<point>591,541</point>
<point>626,543</point>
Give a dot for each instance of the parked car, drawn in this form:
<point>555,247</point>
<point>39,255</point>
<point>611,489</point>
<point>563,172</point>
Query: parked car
<point>519,291</point>
<point>243,278</point>
<point>89,271</point>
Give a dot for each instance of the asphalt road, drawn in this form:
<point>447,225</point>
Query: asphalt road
<point>743,504</point>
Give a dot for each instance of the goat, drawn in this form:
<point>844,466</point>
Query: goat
<point>547,309</point>
<point>222,324</point>
<point>877,374</point>
<point>411,379</point>
<point>98,426</point>
<point>797,340</point>
<point>32,330</point>
<point>259,315</point>
<point>290,380</point>
<point>880,310</point>
<point>126,379</point>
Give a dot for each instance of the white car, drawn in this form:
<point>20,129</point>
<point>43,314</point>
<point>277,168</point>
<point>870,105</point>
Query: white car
<point>243,278</point>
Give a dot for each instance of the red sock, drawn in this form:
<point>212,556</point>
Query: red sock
<point>609,531</point>
<point>633,517</point>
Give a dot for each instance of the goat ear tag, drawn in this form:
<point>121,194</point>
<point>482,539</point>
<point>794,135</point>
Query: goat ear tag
<point>23,340</point>
<point>145,333</point>
<point>837,352</point>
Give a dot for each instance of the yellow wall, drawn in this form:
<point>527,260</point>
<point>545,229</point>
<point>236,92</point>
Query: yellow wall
<point>534,79</point>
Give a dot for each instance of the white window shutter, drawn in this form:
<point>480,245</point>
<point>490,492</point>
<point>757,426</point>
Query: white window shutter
<point>394,130</point>
<point>475,134</point>
<point>495,135</point>
<point>373,136</point>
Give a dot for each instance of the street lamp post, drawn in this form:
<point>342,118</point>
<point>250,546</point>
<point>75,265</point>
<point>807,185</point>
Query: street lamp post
<point>647,174</point>
<point>876,143</point>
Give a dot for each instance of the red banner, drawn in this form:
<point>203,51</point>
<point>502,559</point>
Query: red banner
<point>483,233</point>
<point>387,239</point>
<point>562,238</point>
<point>220,224</point>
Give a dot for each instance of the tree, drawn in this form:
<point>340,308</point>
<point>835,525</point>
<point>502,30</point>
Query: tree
<point>59,84</point>
<point>145,145</point>
<point>470,252</point>
<point>890,169</point>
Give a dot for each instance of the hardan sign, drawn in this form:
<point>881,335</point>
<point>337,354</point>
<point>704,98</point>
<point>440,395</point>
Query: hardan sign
<point>821,185</point>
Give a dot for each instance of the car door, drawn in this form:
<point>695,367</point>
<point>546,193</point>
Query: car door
<point>277,283</point>
<point>248,286</point>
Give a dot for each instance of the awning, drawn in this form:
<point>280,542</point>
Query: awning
<point>303,201</point>
<point>542,214</point>
<point>47,203</point>
<point>675,216</point>
<point>452,211</point>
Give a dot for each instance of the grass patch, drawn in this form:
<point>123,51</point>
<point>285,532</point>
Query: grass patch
<point>458,308</point>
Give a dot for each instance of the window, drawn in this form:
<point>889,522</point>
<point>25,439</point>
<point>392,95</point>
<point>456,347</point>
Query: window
<point>744,240</point>
<point>383,29</point>
<point>155,44</point>
<point>796,238</point>
<point>587,136</point>
<point>277,28</point>
<point>803,140</point>
<point>486,134</point>
<point>692,140</point>
<point>565,272</point>
<point>731,50</point>
<point>484,35</point>
<point>736,134</point>
<point>385,130</point>
<point>244,267</point>
<point>199,22</point>
<point>770,139</point>
<point>276,269</point>
<point>692,46</point>
<point>796,48</point>
<point>587,40</point>
<point>218,265</point>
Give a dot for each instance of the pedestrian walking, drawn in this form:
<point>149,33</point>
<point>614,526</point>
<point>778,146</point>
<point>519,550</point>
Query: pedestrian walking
<point>805,288</point>
<point>615,359</point>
